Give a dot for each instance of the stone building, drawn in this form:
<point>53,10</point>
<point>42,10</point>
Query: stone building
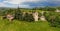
<point>10,17</point>
<point>35,16</point>
<point>42,17</point>
<point>57,10</point>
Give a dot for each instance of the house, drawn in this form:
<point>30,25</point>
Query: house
<point>10,17</point>
<point>57,10</point>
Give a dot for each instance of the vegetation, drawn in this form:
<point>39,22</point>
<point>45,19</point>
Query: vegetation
<point>53,18</point>
<point>19,23</point>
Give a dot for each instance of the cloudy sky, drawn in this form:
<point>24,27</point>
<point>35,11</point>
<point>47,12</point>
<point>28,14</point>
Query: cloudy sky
<point>29,3</point>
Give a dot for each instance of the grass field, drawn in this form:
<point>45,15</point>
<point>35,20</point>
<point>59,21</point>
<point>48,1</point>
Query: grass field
<point>16,25</point>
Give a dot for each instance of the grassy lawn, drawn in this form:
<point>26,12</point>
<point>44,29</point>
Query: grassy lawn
<point>16,25</point>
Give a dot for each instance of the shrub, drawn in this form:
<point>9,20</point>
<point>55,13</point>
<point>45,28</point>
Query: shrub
<point>18,15</point>
<point>28,17</point>
<point>53,18</point>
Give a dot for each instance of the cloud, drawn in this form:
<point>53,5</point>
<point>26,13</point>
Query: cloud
<point>57,2</point>
<point>2,4</point>
<point>15,3</point>
<point>53,1</point>
<point>28,3</point>
<point>24,6</point>
<point>21,1</point>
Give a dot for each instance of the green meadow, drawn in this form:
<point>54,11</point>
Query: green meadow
<point>17,25</point>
